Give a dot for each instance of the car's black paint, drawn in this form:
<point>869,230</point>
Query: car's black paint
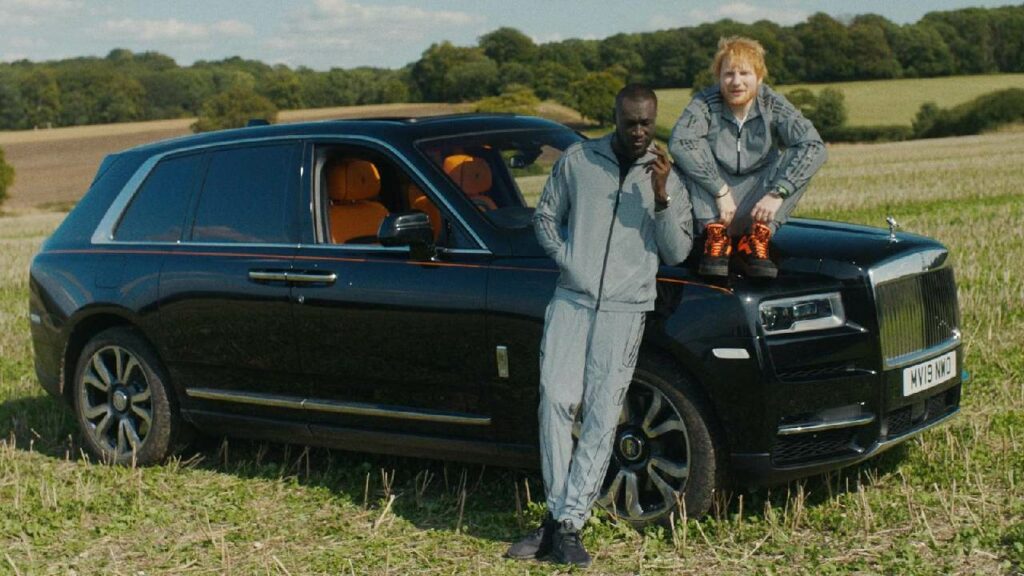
<point>420,331</point>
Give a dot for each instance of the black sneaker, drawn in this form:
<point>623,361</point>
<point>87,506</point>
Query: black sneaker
<point>537,544</point>
<point>753,253</point>
<point>568,548</point>
<point>717,248</point>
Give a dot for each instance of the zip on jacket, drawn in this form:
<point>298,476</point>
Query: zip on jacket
<point>585,190</point>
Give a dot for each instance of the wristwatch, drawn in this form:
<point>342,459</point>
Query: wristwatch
<point>779,191</point>
<point>658,206</point>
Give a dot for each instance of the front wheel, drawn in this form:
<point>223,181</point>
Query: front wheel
<point>664,452</point>
<point>122,400</point>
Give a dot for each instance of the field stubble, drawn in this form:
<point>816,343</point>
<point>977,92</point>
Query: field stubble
<point>949,502</point>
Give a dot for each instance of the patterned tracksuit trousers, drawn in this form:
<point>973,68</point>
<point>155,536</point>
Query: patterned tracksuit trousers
<point>587,362</point>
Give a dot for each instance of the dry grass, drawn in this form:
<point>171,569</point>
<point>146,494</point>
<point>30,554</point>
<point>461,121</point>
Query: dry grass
<point>949,502</point>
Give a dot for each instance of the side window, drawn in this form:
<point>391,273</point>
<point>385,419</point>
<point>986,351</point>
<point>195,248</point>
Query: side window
<point>360,187</point>
<point>248,196</point>
<point>158,209</point>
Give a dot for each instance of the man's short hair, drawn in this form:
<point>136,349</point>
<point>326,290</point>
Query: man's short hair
<point>742,49</point>
<point>635,91</point>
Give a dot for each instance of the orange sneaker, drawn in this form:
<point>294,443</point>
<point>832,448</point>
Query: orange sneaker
<point>753,252</point>
<point>717,248</point>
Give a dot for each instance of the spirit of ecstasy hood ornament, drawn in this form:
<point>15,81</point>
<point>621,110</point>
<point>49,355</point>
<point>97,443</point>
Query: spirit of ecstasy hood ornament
<point>893,225</point>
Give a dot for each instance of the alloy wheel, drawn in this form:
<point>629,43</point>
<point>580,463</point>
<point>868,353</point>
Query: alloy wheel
<point>116,403</point>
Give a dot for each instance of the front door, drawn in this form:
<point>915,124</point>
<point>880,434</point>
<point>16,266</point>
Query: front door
<point>387,340</point>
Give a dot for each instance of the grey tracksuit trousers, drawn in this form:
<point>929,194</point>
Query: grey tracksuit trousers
<point>587,362</point>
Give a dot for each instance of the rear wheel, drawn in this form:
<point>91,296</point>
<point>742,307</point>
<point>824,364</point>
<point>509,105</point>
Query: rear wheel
<point>122,400</point>
<point>664,452</point>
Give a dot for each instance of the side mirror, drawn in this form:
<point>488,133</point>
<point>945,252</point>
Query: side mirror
<point>410,229</point>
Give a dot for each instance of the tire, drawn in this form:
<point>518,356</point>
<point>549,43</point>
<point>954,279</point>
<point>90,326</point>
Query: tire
<point>123,402</point>
<point>665,447</point>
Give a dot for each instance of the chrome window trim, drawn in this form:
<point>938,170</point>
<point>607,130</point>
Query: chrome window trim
<point>335,407</point>
<point>104,233</point>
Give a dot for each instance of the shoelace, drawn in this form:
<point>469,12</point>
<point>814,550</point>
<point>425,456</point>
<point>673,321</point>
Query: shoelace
<point>717,241</point>
<point>759,240</point>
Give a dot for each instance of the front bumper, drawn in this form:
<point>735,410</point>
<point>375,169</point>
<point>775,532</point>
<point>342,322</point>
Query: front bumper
<point>855,433</point>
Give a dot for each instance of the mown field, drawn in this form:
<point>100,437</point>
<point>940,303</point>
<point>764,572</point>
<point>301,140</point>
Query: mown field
<point>951,501</point>
<point>871,103</point>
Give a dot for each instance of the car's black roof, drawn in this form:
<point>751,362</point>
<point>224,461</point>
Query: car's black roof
<point>408,129</point>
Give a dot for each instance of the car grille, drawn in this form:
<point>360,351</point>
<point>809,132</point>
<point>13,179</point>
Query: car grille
<point>917,313</point>
<point>806,447</point>
<point>909,418</point>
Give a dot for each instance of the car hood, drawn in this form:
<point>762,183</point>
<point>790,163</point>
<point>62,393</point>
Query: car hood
<point>840,249</point>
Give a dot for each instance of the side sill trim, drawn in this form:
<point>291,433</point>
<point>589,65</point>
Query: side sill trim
<point>820,426</point>
<point>353,408</point>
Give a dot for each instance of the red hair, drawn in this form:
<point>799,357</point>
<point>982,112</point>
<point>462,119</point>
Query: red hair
<point>740,49</point>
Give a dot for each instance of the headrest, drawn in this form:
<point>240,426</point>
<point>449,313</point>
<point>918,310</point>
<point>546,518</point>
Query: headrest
<point>414,193</point>
<point>352,180</point>
<point>472,174</point>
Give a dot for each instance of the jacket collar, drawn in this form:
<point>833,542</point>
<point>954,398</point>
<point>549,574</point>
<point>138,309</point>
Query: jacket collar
<point>603,146</point>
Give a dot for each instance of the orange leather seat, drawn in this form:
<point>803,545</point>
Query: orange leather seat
<point>353,186</point>
<point>473,175</point>
<point>419,201</point>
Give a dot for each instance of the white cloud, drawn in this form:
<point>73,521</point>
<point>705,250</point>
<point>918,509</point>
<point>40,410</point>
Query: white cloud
<point>367,28</point>
<point>28,13</point>
<point>745,12</point>
<point>174,29</point>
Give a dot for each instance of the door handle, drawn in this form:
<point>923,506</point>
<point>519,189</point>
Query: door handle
<point>312,277</point>
<point>268,275</point>
<point>293,277</point>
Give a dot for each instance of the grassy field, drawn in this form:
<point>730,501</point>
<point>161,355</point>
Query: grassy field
<point>876,102</point>
<point>949,502</point>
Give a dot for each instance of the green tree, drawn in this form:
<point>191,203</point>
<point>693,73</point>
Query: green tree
<point>12,109</point>
<point>873,56</point>
<point>508,45</point>
<point>234,108</point>
<point>516,99</point>
<point>830,111</point>
<point>431,72</point>
<point>594,95</point>
<point>472,80</point>
<point>281,86</point>
<point>41,97</point>
<point>6,177</point>
<point>922,52</point>
<point>827,48</point>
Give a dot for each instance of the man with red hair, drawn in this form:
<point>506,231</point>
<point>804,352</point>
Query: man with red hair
<point>751,155</point>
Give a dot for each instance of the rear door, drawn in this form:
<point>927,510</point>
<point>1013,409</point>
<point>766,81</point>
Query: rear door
<point>224,298</point>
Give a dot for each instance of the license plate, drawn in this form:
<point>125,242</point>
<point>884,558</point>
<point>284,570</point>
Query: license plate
<point>929,373</point>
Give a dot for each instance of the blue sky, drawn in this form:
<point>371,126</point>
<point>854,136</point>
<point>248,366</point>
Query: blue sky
<point>322,34</point>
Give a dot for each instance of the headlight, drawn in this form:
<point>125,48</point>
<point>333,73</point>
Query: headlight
<point>813,312</point>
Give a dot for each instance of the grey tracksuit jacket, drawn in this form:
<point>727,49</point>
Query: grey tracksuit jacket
<point>609,259</point>
<point>775,146</point>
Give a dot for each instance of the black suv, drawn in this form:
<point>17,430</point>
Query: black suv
<point>376,285</point>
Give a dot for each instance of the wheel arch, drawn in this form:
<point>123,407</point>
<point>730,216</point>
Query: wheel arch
<point>87,325</point>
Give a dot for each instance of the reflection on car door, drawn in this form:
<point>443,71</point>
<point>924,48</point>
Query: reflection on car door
<point>393,342</point>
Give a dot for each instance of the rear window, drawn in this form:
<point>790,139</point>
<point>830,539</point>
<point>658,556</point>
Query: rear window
<point>158,209</point>
<point>248,195</point>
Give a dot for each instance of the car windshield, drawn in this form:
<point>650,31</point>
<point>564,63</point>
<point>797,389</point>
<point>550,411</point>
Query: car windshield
<point>501,173</point>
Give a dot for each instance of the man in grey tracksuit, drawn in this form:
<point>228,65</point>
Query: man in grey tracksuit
<point>751,155</point>
<point>624,205</point>
<point>775,147</point>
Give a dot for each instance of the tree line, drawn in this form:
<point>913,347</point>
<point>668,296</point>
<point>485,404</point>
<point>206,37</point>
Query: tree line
<point>126,86</point>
